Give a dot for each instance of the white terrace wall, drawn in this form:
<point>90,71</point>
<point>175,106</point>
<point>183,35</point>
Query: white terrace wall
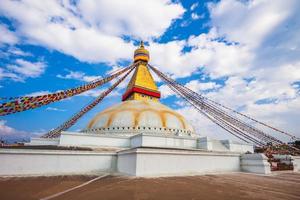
<point>53,162</point>
<point>146,140</point>
<point>255,163</point>
<point>107,140</point>
<point>142,140</point>
<point>296,163</point>
<point>168,162</point>
<point>134,162</point>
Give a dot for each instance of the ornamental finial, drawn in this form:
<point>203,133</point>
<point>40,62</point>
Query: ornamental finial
<point>141,54</point>
<point>142,44</point>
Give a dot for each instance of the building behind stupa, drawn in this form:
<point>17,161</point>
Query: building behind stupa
<point>138,136</point>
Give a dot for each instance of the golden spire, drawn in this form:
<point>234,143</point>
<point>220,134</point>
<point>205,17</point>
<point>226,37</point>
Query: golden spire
<point>141,85</point>
<point>141,54</point>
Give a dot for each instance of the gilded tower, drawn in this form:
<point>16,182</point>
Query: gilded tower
<point>141,85</point>
<point>140,109</point>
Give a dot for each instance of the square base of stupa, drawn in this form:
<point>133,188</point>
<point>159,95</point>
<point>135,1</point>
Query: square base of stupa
<point>142,155</point>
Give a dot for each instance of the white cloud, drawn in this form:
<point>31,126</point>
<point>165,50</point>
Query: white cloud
<point>22,69</point>
<point>185,23</point>
<point>221,53</point>
<point>283,115</point>
<point>194,85</point>
<point>4,129</point>
<point>255,45</point>
<point>281,111</point>
<point>195,5</point>
<point>55,109</point>
<point>97,92</point>
<point>77,75</point>
<point>27,69</point>
<point>251,21</point>
<point>18,52</point>
<point>165,91</point>
<point>113,69</point>
<point>7,36</point>
<point>195,16</point>
<point>72,75</point>
<point>150,21</point>
<point>202,125</point>
<point>198,86</point>
<point>10,134</point>
<point>217,58</point>
<point>90,78</point>
<point>91,30</point>
<point>5,74</point>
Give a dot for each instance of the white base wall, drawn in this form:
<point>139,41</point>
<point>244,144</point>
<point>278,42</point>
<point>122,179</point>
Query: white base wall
<point>143,162</point>
<point>223,145</point>
<point>296,163</point>
<point>96,140</point>
<point>237,147</point>
<point>148,140</point>
<point>146,155</point>
<point>168,162</point>
<point>126,164</point>
<point>50,162</point>
<point>255,163</point>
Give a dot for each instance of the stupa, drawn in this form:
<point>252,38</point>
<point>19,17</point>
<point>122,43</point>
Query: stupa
<point>140,109</point>
<point>139,137</point>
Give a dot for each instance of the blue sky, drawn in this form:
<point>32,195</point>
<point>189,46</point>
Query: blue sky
<point>244,54</point>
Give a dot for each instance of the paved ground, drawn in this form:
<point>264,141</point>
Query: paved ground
<point>230,186</point>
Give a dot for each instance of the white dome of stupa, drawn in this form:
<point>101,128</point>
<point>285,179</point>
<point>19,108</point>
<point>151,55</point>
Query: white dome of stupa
<point>138,116</point>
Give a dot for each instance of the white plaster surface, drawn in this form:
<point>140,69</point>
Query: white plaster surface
<point>126,164</point>
<point>204,143</point>
<point>296,163</point>
<point>146,155</point>
<point>51,162</point>
<point>100,140</point>
<point>255,163</point>
<point>223,145</point>
<point>238,147</point>
<point>151,140</point>
<point>167,162</point>
<point>136,162</point>
<point>147,140</point>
